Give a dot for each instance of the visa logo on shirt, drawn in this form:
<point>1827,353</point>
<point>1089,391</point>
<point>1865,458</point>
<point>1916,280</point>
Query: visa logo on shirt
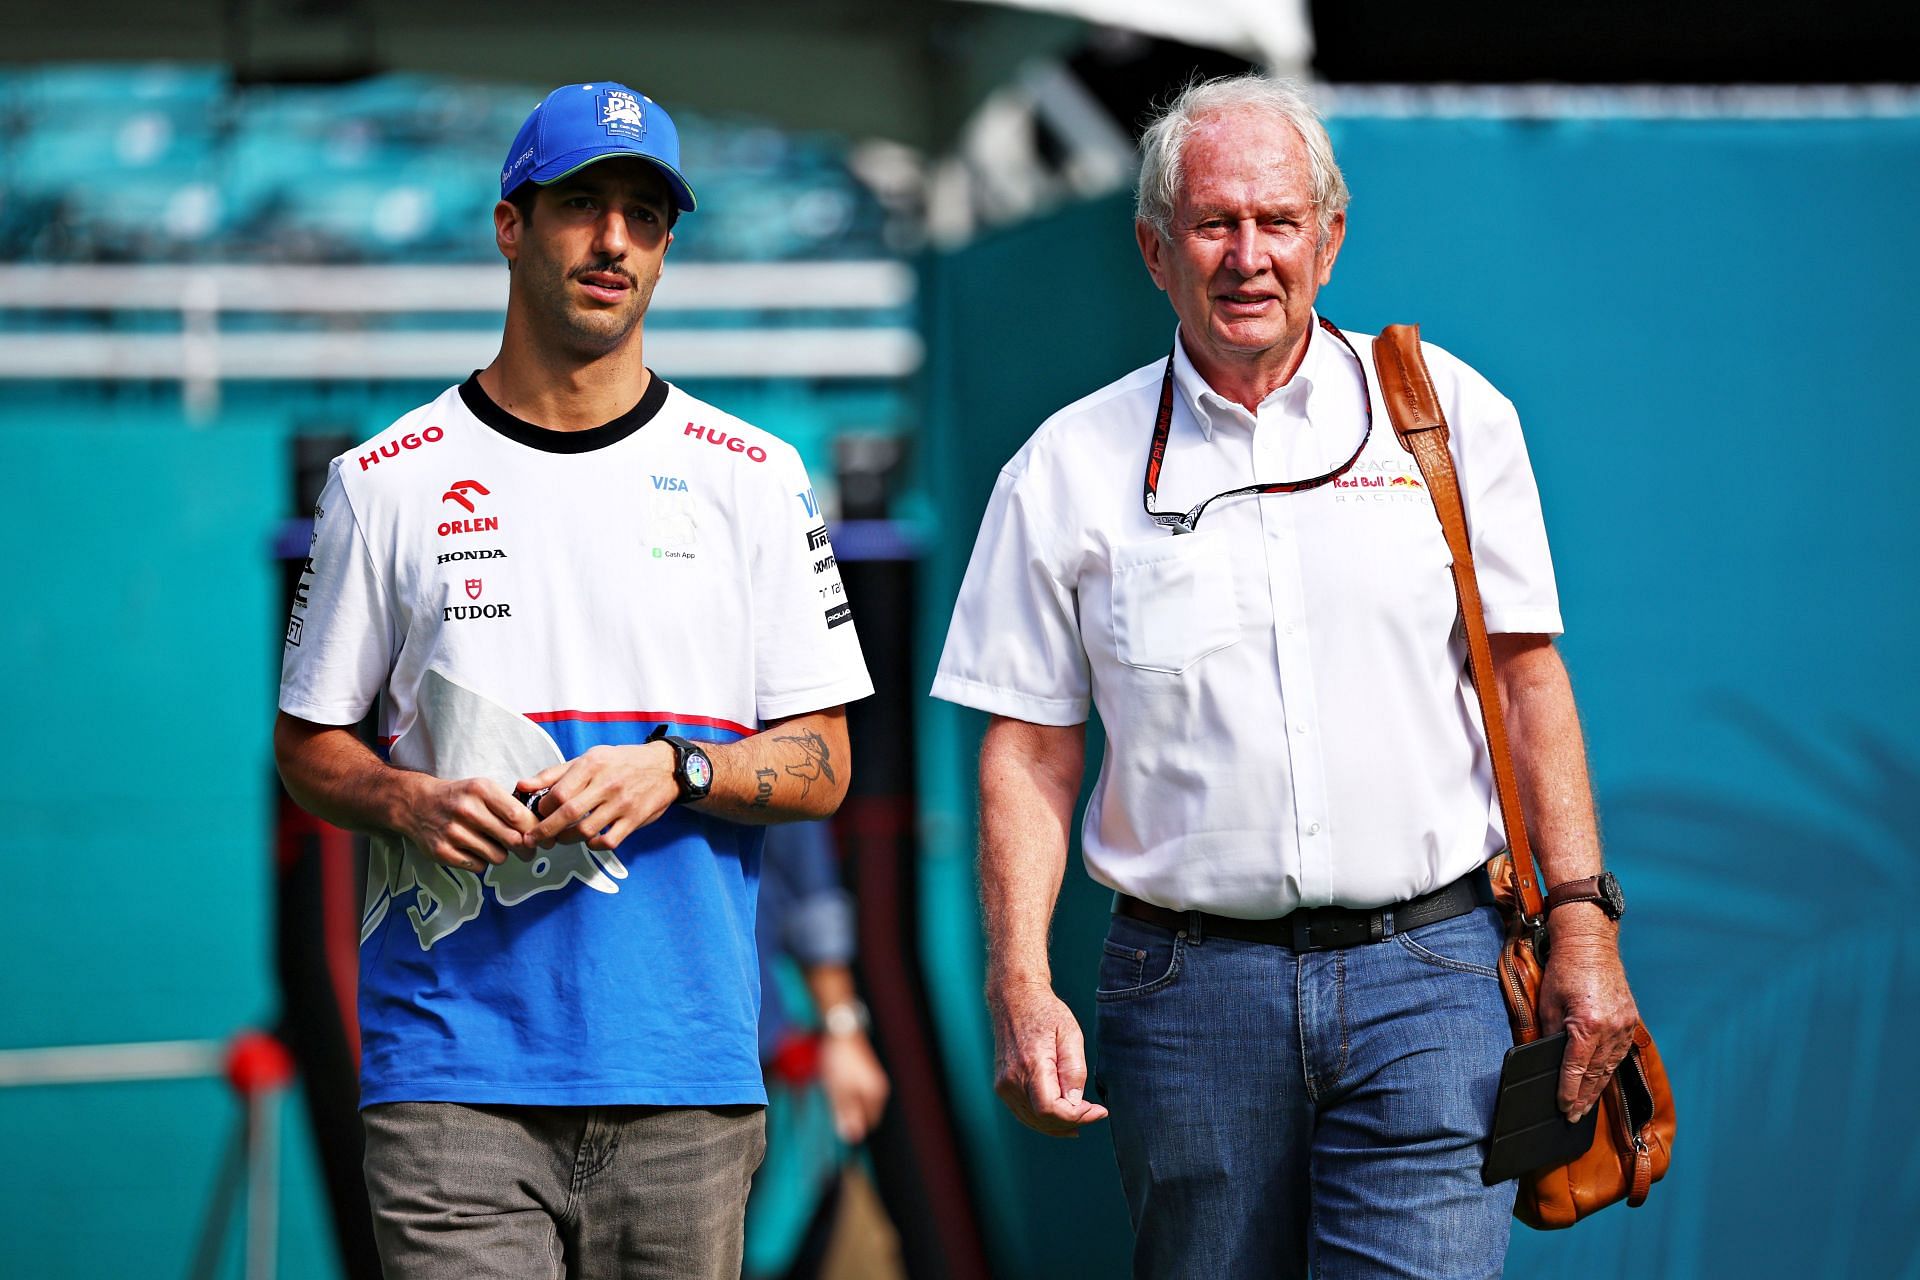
<point>670,484</point>
<point>807,501</point>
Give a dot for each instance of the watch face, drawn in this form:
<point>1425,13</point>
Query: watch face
<point>699,770</point>
<point>1610,890</point>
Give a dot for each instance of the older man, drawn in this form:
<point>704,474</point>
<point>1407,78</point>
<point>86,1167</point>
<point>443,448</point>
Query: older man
<point>1294,759</point>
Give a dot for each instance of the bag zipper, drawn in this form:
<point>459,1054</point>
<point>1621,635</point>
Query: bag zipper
<point>1519,998</point>
<point>1640,1073</point>
<point>1641,1179</point>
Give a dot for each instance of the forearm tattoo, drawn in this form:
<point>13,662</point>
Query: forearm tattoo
<point>816,760</point>
<point>762,788</point>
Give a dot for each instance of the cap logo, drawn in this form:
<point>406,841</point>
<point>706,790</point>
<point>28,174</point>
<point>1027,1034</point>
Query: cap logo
<point>520,162</point>
<point>620,114</point>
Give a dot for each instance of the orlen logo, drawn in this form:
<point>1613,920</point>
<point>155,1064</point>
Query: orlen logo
<point>459,492</point>
<point>733,444</point>
<point>461,488</point>
<point>409,441</point>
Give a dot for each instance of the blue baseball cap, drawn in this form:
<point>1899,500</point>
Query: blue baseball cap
<point>578,124</point>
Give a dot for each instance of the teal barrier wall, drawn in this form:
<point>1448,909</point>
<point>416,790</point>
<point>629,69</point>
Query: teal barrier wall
<point>139,647</point>
<point>1705,324</point>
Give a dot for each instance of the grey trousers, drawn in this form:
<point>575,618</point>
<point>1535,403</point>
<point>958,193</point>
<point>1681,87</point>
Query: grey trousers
<point>560,1193</point>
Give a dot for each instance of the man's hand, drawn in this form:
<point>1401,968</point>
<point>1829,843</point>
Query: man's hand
<point>465,822</point>
<point>1040,1060</point>
<point>855,1084</point>
<point>1584,992</point>
<point>603,796</point>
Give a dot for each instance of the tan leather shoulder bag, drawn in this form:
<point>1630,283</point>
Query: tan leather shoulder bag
<point>1633,1140</point>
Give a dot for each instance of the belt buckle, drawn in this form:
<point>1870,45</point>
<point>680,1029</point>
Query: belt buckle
<point>1301,923</point>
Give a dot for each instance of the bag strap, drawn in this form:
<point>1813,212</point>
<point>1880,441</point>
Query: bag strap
<point>1414,407</point>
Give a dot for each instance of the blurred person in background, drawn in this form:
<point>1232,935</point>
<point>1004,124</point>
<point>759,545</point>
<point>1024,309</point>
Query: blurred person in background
<point>558,987</point>
<point>813,1038</point>
<point>1300,1029</point>
<point>806,915</point>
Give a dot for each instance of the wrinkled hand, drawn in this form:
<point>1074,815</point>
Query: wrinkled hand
<point>1584,992</point>
<point>855,1083</point>
<point>603,796</point>
<point>1040,1060</point>
<point>464,822</point>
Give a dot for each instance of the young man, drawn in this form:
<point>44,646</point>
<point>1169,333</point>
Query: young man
<point>558,987</point>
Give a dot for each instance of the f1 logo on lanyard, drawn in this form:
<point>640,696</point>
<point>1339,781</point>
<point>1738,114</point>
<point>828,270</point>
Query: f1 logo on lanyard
<point>1179,522</point>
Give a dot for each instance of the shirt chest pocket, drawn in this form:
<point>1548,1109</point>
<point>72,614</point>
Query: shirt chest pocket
<point>1174,601</point>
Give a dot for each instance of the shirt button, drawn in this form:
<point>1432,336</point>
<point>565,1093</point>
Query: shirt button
<point>1313,828</point>
<point>1288,630</point>
<point>1299,726</point>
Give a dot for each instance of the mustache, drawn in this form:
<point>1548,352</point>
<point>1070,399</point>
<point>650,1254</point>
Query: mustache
<point>607,266</point>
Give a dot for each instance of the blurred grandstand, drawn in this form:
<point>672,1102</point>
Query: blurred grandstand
<point>164,225</point>
<point>178,164</point>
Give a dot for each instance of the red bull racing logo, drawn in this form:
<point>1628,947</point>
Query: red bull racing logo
<point>1377,481</point>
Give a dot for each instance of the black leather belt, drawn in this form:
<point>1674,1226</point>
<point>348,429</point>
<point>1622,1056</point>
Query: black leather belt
<point>1323,928</point>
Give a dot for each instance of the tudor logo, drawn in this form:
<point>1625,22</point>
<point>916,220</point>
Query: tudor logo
<point>473,588</point>
<point>460,489</point>
<point>467,612</point>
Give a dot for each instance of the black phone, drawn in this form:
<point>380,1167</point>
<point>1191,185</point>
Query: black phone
<point>1529,1129</point>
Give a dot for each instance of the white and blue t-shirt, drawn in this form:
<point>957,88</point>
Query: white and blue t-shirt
<point>669,567</point>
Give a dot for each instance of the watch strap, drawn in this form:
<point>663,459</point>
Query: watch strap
<point>1587,890</point>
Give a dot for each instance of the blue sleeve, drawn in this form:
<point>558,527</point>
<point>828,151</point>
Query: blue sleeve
<point>810,915</point>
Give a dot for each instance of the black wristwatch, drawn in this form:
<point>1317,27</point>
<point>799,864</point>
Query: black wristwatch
<point>692,770</point>
<point>1601,890</point>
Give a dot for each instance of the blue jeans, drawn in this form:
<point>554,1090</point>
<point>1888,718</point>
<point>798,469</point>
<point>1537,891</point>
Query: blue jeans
<point>1275,1112</point>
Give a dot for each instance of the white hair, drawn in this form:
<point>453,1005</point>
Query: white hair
<point>1165,140</point>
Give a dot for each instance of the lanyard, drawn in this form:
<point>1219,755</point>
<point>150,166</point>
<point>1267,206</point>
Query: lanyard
<point>1187,522</point>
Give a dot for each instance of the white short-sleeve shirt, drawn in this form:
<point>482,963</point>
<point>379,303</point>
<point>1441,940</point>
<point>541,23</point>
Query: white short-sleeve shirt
<point>1288,716</point>
<point>684,566</point>
<point>671,569</point>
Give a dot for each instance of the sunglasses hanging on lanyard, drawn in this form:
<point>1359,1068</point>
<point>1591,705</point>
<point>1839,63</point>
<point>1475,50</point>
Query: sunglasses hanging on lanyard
<point>1180,522</point>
